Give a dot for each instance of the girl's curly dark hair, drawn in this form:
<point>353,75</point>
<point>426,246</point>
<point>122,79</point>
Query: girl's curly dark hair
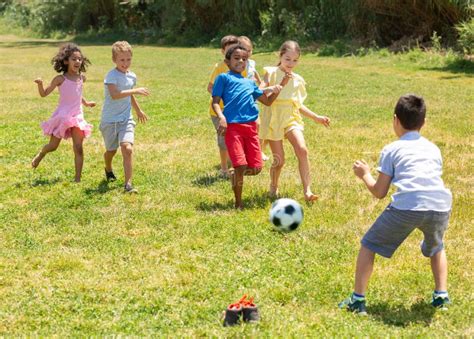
<point>65,51</point>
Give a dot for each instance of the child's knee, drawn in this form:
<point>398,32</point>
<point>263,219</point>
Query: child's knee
<point>127,148</point>
<point>301,152</point>
<point>278,161</point>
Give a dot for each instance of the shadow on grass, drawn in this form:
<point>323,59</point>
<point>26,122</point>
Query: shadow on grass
<point>252,202</point>
<point>208,180</point>
<point>460,66</point>
<point>101,189</point>
<point>398,315</point>
<point>44,182</point>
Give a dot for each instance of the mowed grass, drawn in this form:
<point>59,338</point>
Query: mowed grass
<point>85,259</point>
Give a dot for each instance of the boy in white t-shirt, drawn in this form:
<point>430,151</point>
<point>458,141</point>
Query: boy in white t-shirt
<point>414,165</point>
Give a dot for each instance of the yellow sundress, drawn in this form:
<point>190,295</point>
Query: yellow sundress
<point>283,115</point>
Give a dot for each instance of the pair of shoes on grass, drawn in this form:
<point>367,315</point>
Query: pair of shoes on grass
<point>244,309</point>
<point>357,305</point>
<point>128,188</point>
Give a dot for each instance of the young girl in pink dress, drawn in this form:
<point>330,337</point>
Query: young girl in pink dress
<point>67,120</point>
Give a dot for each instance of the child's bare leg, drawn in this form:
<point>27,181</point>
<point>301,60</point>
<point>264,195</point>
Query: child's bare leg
<point>439,267</point>
<point>263,144</point>
<point>364,268</point>
<point>296,138</point>
<point>237,184</point>
<point>277,165</point>
<point>127,151</point>
<point>77,140</point>
<point>49,147</point>
<point>108,157</point>
<point>224,160</point>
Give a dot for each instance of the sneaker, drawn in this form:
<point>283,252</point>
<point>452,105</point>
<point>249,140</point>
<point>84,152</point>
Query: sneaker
<point>355,306</point>
<point>440,302</point>
<point>110,176</point>
<point>128,188</point>
<point>232,314</point>
<point>250,312</point>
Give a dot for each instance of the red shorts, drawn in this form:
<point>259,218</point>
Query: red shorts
<point>243,145</point>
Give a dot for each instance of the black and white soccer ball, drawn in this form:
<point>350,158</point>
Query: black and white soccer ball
<point>286,215</point>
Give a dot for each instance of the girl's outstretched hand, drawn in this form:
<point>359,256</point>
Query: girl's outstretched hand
<point>323,120</point>
<point>39,81</point>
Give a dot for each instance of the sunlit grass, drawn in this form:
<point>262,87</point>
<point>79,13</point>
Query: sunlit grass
<point>85,259</point>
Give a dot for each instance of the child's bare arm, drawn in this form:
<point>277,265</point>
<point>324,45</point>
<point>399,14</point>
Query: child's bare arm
<point>269,99</point>
<point>87,103</point>
<point>209,87</point>
<point>265,82</point>
<point>217,109</point>
<point>116,94</point>
<point>142,117</point>
<point>258,80</point>
<point>378,188</point>
<point>322,119</point>
<point>57,80</point>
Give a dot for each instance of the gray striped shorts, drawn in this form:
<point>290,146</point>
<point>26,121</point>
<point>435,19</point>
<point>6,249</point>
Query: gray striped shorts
<point>393,226</point>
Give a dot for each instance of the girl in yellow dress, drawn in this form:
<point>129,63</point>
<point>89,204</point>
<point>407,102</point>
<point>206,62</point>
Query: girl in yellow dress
<point>283,118</point>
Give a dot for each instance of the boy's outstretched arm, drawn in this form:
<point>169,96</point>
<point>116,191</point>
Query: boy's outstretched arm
<point>269,99</point>
<point>379,188</point>
<point>116,94</point>
<point>217,109</point>
<point>142,117</point>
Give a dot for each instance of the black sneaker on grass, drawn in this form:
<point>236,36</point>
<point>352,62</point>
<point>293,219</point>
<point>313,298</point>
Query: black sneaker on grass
<point>440,302</point>
<point>354,305</point>
<point>110,176</point>
<point>232,315</point>
<point>128,188</point>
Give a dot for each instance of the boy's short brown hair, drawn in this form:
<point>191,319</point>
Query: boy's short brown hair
<point>229,40</point>
<point>121,46</point>
<point>411,111</point>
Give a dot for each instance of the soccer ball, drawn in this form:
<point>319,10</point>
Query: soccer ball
<point>286,215</point>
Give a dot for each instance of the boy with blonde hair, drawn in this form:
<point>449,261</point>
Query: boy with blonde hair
<point>117,125</point>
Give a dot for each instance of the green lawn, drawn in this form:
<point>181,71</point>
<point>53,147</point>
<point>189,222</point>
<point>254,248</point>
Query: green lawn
<point>85,259</point>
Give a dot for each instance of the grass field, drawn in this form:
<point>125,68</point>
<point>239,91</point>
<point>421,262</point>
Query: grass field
<point>85,259</point>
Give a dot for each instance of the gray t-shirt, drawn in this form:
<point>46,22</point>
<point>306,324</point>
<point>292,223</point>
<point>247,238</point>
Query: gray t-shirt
<point>415,166</point>
<point>120,109</point>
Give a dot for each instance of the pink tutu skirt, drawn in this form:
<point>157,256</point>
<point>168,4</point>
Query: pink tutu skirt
<point>61,126</point>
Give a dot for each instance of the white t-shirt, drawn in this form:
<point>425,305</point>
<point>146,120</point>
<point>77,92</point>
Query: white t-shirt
<point>415,166</point>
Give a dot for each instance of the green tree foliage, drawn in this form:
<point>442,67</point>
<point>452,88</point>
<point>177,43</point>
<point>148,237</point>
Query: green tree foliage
<point>200,21</point>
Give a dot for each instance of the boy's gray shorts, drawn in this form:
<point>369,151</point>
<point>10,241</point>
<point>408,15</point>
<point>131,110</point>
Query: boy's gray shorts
<point>116,133</point>
<point>393,226</point>
<point>220,137</point>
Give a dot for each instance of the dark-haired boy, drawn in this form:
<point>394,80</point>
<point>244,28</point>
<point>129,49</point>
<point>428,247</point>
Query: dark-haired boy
<point>238,121</point>
<point>414,165</point>
<point>219,68</point>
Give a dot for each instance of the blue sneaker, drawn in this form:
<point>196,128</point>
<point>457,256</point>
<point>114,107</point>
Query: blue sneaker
<point>354,305</point>
<point>440,301</point>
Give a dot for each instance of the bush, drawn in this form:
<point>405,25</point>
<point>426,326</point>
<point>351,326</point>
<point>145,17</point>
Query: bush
<point>466,36</point>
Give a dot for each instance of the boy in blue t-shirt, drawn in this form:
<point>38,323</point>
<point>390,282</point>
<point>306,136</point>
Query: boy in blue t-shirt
<point>117,125</point>
<point>414,165</point>
<point>238,122</point>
